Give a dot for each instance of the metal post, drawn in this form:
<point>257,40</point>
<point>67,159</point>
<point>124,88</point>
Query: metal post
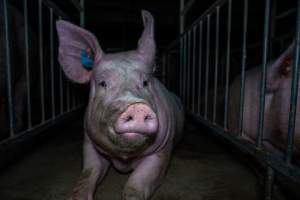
<point>216,64</point>
<point>244,59</point>
<point>82,13</point>
<point>181,17</point>
<point>28,89</point>
<point>269,183</point>
<point>181,69</point>
<point>52,64</point>
<point>188,70</point>
<point>227,65</point>
<point>40,14</point>
<point>200,67</point>
<point>294,91</point>
<point>263,76</point>
<point>184,68</point>
<point>207,66</point>
<point>8,71</point>
<point>194,68</point>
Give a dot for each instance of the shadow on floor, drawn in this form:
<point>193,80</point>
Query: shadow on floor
<point>201,169</point>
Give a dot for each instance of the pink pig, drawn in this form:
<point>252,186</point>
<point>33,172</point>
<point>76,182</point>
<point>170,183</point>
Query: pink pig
<point>132,121</point>
<point>277,105</point>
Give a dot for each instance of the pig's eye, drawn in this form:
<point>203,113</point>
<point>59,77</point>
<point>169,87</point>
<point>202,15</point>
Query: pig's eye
<point>145,83</point>
<point>103,84</point>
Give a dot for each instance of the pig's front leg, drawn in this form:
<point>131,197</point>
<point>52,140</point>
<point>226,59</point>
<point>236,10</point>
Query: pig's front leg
<point>94,169</point>
<point>147,176</point>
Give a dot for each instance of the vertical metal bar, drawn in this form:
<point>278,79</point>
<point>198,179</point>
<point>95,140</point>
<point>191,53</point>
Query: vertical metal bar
<point>52,63</point>
<point>41,59</point>
<point>181,66</point>
<point>28,89</point>
<point>68,94</point>
<point>8,71</point>
<point>263,76</point>
<point>216,64</point>
<point>188,69</point>
<point>269,183</point>
<point>194,70</point>
<point>244,59</point>
<point>184,68</point>
<point>61,90</point>
<point>294,91</point>
<point>82,13</point>
<point>227,65</point>
<point>200,68</point>
<point>207,66</point>
<point>181,17</point>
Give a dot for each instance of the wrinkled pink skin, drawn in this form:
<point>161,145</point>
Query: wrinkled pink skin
<point>131,121</point>
<point>277,105</point>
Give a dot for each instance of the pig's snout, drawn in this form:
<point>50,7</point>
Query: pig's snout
<point>137,118</point>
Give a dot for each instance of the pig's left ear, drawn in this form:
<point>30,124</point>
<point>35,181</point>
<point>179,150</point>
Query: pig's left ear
<point>146,45</point>
<point>280,68</point>
<point>78,51</point>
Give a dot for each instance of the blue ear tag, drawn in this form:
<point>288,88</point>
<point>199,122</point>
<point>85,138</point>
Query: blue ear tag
<point>87,58</point>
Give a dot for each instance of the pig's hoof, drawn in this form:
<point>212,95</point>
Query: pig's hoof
<point>132,194</point>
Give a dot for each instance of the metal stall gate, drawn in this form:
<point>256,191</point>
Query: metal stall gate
<point>223,43</point>
<point>34,93</point>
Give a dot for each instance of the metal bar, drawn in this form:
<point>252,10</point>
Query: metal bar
<point>68,94</point>
<point>227,65</point>
<point>207,66</point>
<point>52,63</point>
<point>181,17</point>
<point>82,13</point>
<point>264,157</point>
<point>40,14</point>
<point>256,44</point>
<point>187,7</point>
<point>28,89</point>
<point>263,75</point>
<point>188,69</point>
<point>210,11</point>
<point>37,129</point>
<point>181,66</point>
<point>294,92</point>
<point>216,64</point>
<point>184,69</point>
<point>244,60</point>
<point>200,67</point>
<point>194,70</point>
<point>8,71</point>
<point>61,90</point>
<point>56,9</point>
<point>269,183</point>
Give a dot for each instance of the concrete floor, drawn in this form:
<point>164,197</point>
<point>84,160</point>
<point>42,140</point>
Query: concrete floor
<point>201,169</point>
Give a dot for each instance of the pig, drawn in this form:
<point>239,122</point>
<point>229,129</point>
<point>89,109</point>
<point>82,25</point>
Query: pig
<point>18,71</point>
<point>277,104</point>
<point>132,121</point>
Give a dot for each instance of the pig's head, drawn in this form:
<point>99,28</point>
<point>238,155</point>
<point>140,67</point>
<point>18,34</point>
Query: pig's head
<point>121,115</point>
<point>279,83</point>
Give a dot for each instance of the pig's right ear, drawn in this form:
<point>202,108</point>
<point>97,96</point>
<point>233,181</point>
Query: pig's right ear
<point>74,43</point>
<point>280,68</point>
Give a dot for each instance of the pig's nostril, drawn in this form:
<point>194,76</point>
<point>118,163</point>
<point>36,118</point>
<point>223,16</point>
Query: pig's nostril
<point>129,118</point>
<point>147,118</point>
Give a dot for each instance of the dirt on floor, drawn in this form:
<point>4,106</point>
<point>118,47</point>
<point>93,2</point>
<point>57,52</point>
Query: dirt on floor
<point>201,169</point>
